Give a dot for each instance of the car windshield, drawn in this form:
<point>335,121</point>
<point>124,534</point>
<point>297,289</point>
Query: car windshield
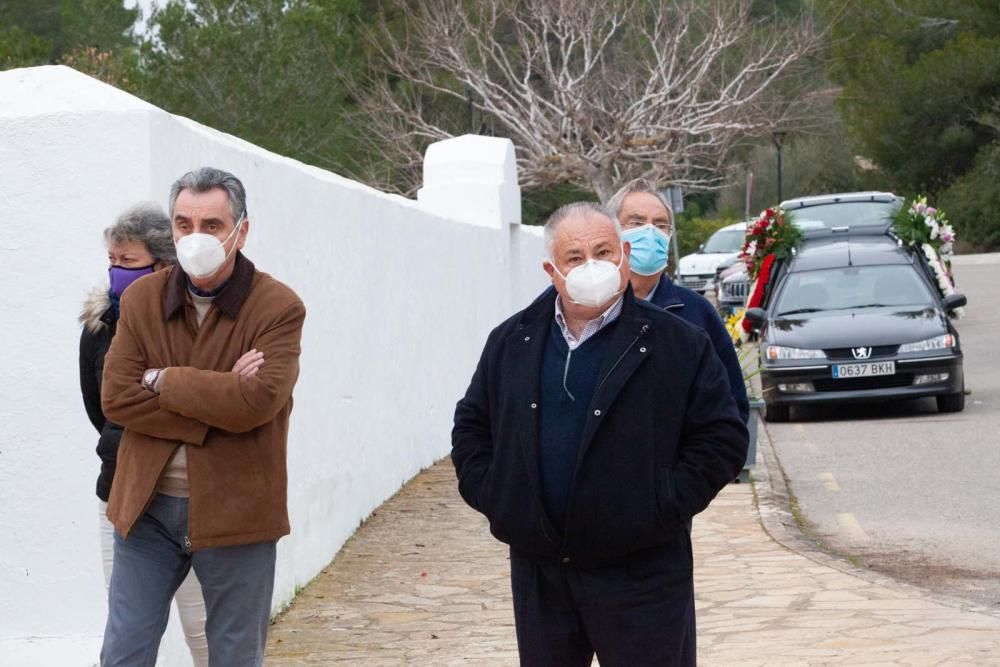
<point>725,240</point>
<point>844,214</point>
<point>852,287</point>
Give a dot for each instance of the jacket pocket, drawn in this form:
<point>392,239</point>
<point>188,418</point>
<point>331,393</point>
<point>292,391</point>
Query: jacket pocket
<point>484,495</point>
<point>666,498</point>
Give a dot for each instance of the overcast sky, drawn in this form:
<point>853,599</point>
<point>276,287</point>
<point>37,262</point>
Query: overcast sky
<point>146,6</point>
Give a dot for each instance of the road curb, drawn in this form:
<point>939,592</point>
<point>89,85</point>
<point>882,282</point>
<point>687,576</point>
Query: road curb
<point>773,500</point>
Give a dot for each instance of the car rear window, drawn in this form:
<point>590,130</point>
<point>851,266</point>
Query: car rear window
<point>725,240</point>
<point>852,287</point>
<point>844,214</point>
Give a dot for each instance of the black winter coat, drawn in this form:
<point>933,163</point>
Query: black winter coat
<point>662,438</point>
<point>696,309</point>
<point>99,324</point>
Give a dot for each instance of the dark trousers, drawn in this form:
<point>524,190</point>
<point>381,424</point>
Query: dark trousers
<point>635,613</point>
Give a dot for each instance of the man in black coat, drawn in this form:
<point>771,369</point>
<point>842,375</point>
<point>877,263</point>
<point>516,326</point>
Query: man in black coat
<point>595,427</point>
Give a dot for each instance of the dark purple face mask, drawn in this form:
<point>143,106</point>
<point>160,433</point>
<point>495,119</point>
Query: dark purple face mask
<point>122,277</point>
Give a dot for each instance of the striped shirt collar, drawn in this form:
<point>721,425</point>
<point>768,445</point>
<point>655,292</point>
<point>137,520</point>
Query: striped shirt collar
<point>592,327</point>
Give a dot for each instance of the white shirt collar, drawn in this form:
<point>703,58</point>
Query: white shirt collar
<point>592,326</point>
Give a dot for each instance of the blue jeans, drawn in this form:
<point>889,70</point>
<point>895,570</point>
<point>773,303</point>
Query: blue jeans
<point>150,565</point>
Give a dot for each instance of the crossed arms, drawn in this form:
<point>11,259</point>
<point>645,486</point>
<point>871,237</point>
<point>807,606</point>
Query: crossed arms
<point>190,400</point>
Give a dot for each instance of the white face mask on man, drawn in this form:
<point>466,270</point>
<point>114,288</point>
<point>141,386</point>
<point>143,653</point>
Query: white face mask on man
<point>201,255</point>
<point>593,283</point>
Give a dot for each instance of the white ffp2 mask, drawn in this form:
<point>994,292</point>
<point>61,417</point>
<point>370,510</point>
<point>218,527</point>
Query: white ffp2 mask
<point>201,255</point>
<point>594,282</point>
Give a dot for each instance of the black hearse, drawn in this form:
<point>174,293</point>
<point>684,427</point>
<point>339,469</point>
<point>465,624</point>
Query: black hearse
<point>854,315</point>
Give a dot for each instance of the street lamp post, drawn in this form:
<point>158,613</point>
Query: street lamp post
<point>778,138</point>
<point>468,107</point>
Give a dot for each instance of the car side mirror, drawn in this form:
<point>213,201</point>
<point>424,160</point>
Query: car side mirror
<point>701,247</point>
<point>756,317</point>
<point>953,301</point>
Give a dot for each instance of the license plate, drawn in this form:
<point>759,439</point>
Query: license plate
<point>842,371</point>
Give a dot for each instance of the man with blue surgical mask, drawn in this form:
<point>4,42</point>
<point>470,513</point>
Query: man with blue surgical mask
<point>595,426</point>
<point>647,224</point>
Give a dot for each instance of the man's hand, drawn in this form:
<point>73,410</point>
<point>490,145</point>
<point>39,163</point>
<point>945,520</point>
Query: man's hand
<point>249,363</point>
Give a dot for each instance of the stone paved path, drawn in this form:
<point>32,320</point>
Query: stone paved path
<point>423,583</point>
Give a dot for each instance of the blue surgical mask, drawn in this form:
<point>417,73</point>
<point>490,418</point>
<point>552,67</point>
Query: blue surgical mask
<point>650,249</point>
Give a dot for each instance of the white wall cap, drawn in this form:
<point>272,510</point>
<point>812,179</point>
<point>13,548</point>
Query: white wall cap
<point>53,89</point>
<point>470,158</point>
<point>472,179</point>
<point>481,204</point>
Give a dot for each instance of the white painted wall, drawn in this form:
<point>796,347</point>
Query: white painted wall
<point>400,297</point>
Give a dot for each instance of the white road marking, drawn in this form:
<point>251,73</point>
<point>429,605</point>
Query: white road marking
<point>852,529</point>
<point>828,481</point>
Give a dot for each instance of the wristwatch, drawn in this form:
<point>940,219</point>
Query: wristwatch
<point>149,378</point>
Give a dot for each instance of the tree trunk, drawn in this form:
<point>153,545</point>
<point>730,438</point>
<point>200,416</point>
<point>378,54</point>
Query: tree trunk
<point>602,186</point>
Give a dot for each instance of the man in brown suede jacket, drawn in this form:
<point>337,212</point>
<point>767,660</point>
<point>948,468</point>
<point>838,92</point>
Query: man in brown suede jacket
<point>200,375</point>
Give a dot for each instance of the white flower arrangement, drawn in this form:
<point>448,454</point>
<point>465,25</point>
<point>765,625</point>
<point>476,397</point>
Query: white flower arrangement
<point>941,274</point>
<point>925,227</point>
<point>938,227</point>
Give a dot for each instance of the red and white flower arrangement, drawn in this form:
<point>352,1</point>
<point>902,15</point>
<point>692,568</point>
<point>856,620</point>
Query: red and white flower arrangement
<point>769,238</point>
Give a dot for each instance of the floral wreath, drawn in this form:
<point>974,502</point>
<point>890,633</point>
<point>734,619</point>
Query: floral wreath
<point>769,238</point>
<point>771,234</point>
<point>925,227</point>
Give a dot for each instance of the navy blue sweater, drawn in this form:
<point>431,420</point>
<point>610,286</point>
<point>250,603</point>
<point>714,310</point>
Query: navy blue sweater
<point>567,390</point>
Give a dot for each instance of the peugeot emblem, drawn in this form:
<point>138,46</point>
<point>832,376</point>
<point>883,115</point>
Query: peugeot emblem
<point>861,352</point>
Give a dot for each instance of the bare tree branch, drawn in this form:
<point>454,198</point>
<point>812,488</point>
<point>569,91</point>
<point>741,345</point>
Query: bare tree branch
<point>591,93</point>
<point>926,22</point>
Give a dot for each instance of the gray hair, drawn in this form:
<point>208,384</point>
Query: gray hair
<point>570,210</point>
<point>209,178</point>
<point>147,224</point>
<point>614,204</point>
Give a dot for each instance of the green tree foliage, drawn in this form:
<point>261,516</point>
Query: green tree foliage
<point>43,32</point>
<point>974,200</point>
<point>20,48</point>
<point>539,203</point>
<point>811,165</point>
<point>263,70</point>
<point>919,77</point>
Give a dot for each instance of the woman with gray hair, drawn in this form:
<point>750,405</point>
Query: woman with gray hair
<point>139,243</point>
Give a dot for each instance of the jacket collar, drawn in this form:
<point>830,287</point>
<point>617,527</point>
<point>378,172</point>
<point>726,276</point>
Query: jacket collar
<point>544,306</point>
<point>229,300</point>
<point>666,295</point>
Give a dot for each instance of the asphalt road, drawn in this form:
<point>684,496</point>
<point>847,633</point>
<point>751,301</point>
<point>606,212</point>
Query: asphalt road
<point>901,489</point>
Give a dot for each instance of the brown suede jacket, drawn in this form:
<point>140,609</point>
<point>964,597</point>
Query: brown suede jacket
<point>235,428</point>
